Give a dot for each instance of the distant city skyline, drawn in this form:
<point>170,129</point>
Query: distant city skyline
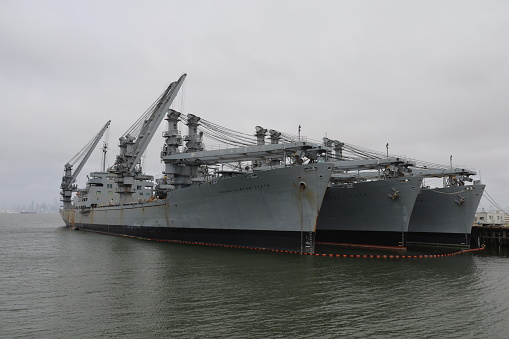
<point>33,206</point>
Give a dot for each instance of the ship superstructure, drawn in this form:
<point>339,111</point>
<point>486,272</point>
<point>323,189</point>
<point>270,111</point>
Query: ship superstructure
<point>102,189</point>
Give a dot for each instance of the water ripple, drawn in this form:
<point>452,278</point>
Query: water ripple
<point>58,283</point>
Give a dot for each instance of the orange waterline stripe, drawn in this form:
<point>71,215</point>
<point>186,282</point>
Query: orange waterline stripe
<point>362,256</point>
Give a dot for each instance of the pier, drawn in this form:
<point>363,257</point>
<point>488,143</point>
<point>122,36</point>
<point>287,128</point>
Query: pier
<point>490,236</point>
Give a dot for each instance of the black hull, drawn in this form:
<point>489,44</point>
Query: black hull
<point>278,240</point>
<point>362,238</point>
<point>439,239</point>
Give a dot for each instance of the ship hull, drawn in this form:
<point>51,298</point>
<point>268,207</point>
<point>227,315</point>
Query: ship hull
<point>274,209</point>
<point>364,214</point>
<point>444,216</point>
<point>281,240</point>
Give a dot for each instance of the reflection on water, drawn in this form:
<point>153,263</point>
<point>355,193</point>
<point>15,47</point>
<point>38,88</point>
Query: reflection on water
<point>61,283</point>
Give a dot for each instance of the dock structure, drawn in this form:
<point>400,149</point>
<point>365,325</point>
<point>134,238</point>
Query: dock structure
<point>490,236</point>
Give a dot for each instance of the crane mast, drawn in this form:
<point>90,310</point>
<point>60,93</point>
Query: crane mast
<point>69,177</point>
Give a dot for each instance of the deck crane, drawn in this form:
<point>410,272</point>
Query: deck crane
<point>135,140</point>
<point>451,177</point>
<point>69,177</point>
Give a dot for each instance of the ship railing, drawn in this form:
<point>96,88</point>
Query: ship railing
<point>218,147</point>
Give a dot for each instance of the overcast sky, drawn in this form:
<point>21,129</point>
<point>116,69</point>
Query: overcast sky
<point>428,77</point>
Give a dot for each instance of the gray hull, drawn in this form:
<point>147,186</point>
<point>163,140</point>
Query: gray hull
<point>364,214</point>
<point>275,209</point>
<point>444,216</point>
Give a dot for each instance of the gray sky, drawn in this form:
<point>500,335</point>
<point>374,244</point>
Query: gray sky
<point>428,77</point>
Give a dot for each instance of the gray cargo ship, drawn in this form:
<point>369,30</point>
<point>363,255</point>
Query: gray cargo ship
<point>440,216</point>
<point>443,216</point>
<point>371,213</point>
<point>274,207</point>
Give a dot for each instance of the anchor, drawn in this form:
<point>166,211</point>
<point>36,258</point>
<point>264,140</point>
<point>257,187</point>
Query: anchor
<point>394,195</point>
<point>460,200</point>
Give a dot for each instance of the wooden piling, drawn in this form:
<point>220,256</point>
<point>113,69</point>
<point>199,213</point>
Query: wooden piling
<point>490,236</point>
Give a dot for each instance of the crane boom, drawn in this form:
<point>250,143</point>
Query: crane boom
<point>69,177</point>
<point>440,173</point>
<point>150,127</point>
<point>132,147</point>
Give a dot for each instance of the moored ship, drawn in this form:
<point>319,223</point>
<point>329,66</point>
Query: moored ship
<point>436,216</point>
<point>369,203</point>
<point>443,216</point>
<point>268,209</point>
<point>370,213</point>
<point>274,206</point>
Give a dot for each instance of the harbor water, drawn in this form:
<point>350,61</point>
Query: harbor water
<point>59,283</point>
